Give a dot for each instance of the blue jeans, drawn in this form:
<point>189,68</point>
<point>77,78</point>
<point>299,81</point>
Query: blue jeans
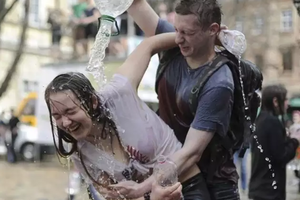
<point>243,163</point>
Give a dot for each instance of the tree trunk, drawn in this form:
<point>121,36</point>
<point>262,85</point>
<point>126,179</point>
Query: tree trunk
<point>4,11</point>
<point>12,69</point>
<point>2,5</point>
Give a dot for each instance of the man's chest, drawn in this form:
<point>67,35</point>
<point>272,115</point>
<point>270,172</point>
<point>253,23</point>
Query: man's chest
<point>175,88</point>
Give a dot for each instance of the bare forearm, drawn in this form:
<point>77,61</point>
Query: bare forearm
<point>146,185</point>
<point>184,160</point>
<point>161,42</point>
<point>144,16</point>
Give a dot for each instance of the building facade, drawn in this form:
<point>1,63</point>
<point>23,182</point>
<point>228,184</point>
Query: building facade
<point>36,51</point>
<point>272,29</point>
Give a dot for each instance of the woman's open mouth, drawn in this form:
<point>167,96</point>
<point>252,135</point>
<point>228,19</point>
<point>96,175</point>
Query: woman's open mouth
<point>73,129</point>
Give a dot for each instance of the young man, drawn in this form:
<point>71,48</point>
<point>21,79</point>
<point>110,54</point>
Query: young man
<point>197,24</point>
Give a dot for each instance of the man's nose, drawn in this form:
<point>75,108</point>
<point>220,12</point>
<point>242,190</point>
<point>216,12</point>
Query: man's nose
<point>179,39</point>
<point>66,122</point>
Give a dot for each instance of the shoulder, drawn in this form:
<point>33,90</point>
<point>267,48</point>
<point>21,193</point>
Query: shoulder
<point>222,78</point>
<point>164,26</point>
<point>268,121</point>
<point>117,86</point>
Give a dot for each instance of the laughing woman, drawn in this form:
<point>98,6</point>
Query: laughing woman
<point>114,135</point>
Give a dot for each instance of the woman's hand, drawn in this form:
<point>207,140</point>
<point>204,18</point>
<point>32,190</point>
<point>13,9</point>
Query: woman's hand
<point>128,189</point>
<point>166,193</point>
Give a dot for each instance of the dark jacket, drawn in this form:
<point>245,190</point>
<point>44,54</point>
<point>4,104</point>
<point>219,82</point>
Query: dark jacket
<point>266,183</point>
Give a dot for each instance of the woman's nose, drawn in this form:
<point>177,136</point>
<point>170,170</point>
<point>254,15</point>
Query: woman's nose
<point>66,122</point>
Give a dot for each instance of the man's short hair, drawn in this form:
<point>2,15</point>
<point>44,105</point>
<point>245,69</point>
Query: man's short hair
<point>207,11</point>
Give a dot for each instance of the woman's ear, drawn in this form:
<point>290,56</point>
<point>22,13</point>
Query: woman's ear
<point>94,101</point>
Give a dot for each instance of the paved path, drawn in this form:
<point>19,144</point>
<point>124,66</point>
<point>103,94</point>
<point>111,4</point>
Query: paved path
<point>49,180</point>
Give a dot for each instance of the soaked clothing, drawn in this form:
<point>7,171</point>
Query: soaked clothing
<point>280,149</point>
<point>213,112</point>
<point>195,188</point>
<point>142,133</point>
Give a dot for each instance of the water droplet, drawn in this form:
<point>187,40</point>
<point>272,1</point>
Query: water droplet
<point>275,187</point>
<point>259,146</point>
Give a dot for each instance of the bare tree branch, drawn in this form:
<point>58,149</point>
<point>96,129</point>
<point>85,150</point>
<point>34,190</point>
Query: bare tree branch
<point>12,69</point>
<point>5,11</point>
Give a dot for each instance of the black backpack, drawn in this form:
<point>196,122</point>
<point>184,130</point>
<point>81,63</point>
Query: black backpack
<point>243,113</point>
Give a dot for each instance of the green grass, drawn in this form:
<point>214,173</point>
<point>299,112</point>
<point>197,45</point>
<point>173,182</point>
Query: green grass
<point>110,69</point>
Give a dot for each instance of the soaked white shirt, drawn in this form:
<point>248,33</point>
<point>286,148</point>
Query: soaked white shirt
<point>142,133</point>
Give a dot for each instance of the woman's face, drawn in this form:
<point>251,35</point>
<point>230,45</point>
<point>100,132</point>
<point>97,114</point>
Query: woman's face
<point>70,115</point>
<point>296,118</point>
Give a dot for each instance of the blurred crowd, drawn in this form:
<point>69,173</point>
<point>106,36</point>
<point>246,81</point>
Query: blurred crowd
<point>82,24</point>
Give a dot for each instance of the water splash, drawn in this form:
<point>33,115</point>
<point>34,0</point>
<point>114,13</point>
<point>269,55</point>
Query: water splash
<point>269,163</point>
<point>240,43</point>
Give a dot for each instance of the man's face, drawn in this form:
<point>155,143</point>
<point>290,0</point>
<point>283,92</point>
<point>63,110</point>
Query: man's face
<point>192,40</point>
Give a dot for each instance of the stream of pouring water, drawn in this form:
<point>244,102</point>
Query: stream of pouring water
<point>267,159</point>
<point>252,127</point>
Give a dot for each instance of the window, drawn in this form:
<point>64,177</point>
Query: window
<point>287,59</point>
<point>72,2</point>
<point>34,14</point>
<point>29,86</point>
<point>286,20</point>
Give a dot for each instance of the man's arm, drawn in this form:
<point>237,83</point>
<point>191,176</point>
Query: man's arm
<point>136,64</point>
<point>144,16</point>
<point>148,20</point>
<point>212,116</point>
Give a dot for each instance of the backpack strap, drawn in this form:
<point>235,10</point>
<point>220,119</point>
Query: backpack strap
<point>164,60</point>
<point>214,65</point>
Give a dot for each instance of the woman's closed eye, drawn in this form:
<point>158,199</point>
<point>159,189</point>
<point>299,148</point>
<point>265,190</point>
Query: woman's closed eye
<point>56,116</point>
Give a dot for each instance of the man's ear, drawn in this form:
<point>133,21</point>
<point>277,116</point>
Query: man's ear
<point>214,29</point>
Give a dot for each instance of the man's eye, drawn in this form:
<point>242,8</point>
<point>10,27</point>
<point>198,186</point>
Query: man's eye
<point>71,113</point>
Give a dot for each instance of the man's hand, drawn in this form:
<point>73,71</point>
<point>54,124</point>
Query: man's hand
<point>166,193</point>
<point>128,189</point>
